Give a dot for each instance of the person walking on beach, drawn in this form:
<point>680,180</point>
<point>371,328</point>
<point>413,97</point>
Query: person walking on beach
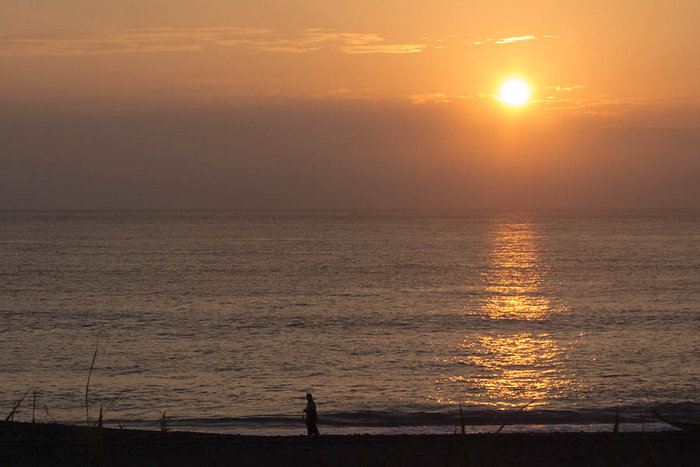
<point>311,416</point>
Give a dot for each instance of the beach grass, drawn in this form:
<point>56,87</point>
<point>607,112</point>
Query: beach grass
<point>87,386</point>
<point>513,415</point>
<point>612,454</point>
<point>463,437</point>
<point>15,405</point>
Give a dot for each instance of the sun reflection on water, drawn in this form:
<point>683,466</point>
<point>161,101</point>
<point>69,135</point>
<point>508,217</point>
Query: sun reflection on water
<point>510,369</point>
<point>515,280</point>
<point>513,369</point>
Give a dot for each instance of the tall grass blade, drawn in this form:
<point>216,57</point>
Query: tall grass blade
<point>87,386</point>
<point>513,415</point>
<point>116,398</point>
<point>612,456</point>
<point>99,441</point>
<point>34,430</point>
<point>463,437</point>
<point>34,408</point>
<point>164,426</point>
<point>15,406</point>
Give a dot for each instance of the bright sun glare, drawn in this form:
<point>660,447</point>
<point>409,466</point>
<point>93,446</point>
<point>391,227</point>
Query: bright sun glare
<point>514,92</point>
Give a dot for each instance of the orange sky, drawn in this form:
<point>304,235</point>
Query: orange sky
<point>599,72</point>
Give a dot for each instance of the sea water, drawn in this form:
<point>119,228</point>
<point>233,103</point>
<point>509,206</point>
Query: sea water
<point>222,321</point>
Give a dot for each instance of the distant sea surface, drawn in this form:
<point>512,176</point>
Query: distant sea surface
<point>224,320</point>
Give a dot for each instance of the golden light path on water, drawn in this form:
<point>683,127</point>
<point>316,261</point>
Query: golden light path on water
<point>515,280</point>
<point>509,366</point>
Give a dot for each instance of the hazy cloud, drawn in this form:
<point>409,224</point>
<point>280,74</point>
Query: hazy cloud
<point>147,40</point>
<point>511,40</point>
<point>142,40</point>
<point>508,40</point>
<point>436,98</point>
<point>683,111</point>
<point>384,49</point>
<point>566,88</point>
<point>345,42</point>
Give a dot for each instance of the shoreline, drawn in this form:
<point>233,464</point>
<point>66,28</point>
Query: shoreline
<point>55,444</point>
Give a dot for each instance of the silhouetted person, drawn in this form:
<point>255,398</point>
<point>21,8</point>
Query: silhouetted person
<point>311,416</point>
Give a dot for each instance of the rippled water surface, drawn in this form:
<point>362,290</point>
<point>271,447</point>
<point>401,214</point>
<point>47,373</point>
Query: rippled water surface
<point>225,320</point>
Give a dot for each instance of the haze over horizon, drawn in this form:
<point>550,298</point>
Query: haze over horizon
<point>309,104</point>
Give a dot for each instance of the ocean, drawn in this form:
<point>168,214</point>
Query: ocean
<point>394,320</point>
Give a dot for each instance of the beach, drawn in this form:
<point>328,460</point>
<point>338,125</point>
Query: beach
<point>55,444</point>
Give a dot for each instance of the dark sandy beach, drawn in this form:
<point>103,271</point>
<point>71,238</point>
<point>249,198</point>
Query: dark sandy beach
<point>52,444</point>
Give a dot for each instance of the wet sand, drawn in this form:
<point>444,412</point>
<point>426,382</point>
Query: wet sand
<point>52,444</point>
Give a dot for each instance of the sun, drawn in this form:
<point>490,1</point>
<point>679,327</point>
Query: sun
<point>514,92</point>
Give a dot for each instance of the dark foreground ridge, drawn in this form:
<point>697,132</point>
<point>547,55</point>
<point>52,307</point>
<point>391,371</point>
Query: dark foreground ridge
<point>26,444</point>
